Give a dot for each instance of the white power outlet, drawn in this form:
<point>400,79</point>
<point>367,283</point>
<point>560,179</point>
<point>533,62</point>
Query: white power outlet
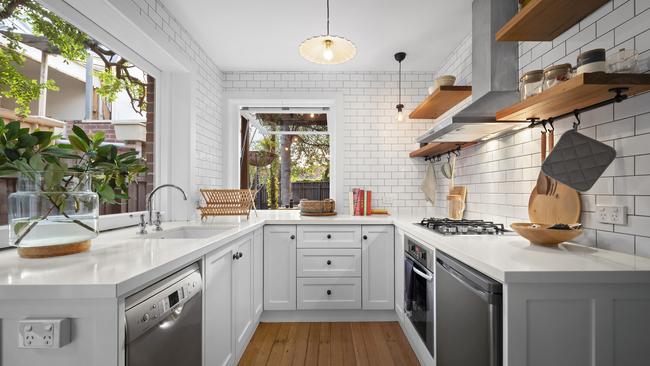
<point>43,333</point>
<point>612,214</point>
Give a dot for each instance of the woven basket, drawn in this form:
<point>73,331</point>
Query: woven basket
<point>227,202</point>
<point>324,206</point>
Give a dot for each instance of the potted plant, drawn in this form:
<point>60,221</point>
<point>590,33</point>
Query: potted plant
<point>56,206</point>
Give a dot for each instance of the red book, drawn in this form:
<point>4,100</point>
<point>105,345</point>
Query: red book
<point>358,210</point>
<point>368,201</point>
<point>355,201</point>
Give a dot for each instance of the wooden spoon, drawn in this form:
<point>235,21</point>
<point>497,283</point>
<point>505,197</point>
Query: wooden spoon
<point>542,180</point>
<point>551,143</point>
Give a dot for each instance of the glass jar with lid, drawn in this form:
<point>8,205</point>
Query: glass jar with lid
<point>556,74</point>
<point>531,83</point>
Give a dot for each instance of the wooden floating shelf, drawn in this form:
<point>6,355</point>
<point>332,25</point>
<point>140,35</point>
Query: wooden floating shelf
<point>581,91</point>
<point>544,20</point>
<point>436,148</point>
<point>440,101</point>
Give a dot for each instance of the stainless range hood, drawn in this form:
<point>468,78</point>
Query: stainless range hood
<point>494,79</point>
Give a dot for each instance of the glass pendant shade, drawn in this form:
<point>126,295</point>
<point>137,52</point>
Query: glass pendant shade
<point>327,50</point>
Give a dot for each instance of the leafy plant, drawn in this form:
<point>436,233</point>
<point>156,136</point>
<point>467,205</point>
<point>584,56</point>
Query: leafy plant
<point>37,153</point>
<point>72,44</point>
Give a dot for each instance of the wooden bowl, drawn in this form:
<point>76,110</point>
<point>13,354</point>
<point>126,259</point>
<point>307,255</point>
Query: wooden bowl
<point>540,234</point>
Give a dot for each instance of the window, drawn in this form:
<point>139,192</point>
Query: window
<point>285,156</point>
<point>78,81</point>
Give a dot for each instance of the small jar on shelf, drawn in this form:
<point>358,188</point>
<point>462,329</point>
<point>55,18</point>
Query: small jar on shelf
<point>623,61</point>
<point>556,74</point>
<point>531,84</point>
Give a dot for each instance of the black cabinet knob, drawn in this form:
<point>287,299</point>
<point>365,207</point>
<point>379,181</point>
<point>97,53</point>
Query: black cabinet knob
<point>365,237</point>
<point>240,255</point>
<point>329,262</point>
<point>235,256</point>
<point>293,237</point>
<point>329,236</point>
<point>329,292</point>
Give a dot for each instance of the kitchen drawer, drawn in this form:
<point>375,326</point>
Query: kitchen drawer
<point>329,263</point>
<point>329,293</point>
<point>329,236</point>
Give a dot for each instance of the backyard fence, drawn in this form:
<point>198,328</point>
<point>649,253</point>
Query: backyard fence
<point>299,190</point>
<point>136,201</point>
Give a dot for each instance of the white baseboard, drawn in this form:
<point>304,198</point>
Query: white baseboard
<point>276,316</point>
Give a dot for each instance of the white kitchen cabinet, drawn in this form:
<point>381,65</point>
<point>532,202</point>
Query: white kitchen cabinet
<point>378,267</point>
<point>219,342</point>
<point>280,267</point>
<point>329,293</point>
<point>329,263</point>
<point>329,236</point>
<point>230,284</point>
<point>399,273</point>
<point>243,290</point>
<point>258,273</point>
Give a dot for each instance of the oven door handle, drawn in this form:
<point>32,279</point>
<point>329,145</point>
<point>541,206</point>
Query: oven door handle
<point>427,277</point>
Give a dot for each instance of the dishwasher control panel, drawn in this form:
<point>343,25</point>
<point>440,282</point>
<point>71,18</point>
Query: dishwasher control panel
<point>161,307</point>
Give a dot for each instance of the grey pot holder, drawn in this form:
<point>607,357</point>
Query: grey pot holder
<point>578,161</point>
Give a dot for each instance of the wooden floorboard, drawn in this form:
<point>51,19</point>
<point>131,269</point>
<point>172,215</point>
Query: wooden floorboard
<point>329,344</point>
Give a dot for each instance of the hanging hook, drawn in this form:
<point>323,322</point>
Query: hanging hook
<point>457,151</point>
<point>550,122</point>
<point>576,113</point>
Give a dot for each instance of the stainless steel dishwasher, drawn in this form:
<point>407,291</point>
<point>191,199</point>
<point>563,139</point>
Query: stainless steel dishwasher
<point>164,322</point>
<point>468,315</point>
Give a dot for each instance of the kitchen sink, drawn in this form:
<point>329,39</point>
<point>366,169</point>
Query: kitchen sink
<point>190,232</point>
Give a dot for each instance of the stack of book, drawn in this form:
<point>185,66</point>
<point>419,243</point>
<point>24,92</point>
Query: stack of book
<point>360,202</point>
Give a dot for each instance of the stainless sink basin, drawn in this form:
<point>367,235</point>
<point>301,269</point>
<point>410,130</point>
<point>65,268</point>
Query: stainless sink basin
<point>189,232</point>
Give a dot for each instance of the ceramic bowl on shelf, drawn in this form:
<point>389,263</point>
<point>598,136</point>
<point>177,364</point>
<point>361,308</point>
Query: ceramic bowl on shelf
<point>445,80</point>
<point>542,234</point>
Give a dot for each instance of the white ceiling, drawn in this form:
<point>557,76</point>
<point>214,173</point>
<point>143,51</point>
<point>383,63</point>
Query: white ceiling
<point>263,35</point>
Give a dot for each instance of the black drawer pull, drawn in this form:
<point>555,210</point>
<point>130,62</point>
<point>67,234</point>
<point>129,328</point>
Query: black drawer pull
<point>293,237</point>
<point>329,262</point>
<point>329,236</point>
<point>329,292</point>
<point>365,237</point>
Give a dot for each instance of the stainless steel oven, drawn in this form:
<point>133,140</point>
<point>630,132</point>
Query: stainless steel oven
<point>419,290</point>
<point>164,322</point>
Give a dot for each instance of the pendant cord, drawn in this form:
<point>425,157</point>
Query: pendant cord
<point>400,82</point>
<point>328,17</point>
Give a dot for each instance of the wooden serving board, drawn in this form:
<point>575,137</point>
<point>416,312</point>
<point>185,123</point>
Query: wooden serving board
<point>54,250</point>
<point>563,207</point>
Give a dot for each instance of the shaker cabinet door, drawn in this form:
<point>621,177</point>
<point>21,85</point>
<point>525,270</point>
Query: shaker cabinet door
<point>378,267</point>
<point>280,267</point>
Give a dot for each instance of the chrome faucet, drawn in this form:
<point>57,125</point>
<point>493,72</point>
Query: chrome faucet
<point>150,206</point>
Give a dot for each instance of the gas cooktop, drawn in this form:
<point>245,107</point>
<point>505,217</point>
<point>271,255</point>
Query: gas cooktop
<point>463,227</point>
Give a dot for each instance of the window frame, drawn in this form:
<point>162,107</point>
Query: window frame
<point>277,100</point>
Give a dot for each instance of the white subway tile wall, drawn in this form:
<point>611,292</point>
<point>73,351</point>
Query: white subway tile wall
<point>376,146</point>
<point>501,173</point>
<point>207,98</point>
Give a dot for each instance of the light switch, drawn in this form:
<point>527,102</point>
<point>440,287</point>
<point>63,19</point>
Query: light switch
<point>43,332</point>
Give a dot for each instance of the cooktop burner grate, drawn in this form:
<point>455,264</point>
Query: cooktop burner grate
<point>463,227</point>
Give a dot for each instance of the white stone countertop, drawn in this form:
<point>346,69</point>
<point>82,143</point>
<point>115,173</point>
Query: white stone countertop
<point>120,262</point>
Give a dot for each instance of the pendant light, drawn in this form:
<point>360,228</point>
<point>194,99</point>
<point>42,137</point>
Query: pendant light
<point>399,57</point>
<point>327,49</point>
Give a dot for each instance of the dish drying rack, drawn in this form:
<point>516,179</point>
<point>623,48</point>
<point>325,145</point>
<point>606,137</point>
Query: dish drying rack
<point>227,202</point>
